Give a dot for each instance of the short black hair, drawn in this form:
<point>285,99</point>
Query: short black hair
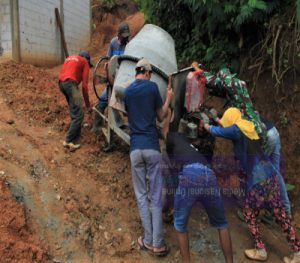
<point>140,71</point>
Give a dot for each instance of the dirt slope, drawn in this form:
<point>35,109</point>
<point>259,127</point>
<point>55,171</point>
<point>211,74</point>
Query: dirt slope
<point>81,205</point>
<point>17,243</point>
<point>106,21</point>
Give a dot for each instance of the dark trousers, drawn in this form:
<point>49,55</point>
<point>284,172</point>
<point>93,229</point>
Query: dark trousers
<point>71,91</point>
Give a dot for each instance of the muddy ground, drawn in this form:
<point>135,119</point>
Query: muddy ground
<point>79,207</point>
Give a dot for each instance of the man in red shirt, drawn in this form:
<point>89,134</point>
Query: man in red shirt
<point>74,71</point>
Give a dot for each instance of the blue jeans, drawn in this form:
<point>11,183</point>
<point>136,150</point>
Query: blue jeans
<point>198,183</point>
<point>71,91</point>
<point>273,152</point>
<point>147,184</point>
<point>103,100</point>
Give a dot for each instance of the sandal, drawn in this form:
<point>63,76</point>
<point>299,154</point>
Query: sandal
<point>141,245</point>
<point>162,253</point>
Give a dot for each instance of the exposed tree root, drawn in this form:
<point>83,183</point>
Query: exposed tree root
<point>278,51</point>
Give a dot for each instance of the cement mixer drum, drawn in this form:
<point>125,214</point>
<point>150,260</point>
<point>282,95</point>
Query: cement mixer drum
<point>157,46</point>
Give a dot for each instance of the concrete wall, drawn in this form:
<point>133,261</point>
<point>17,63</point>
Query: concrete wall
<point>5,30</point>
<point>38,37</point>
<point>77,24</point>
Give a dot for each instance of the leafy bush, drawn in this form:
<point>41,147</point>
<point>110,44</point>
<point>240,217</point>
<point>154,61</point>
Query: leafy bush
<point>298,13</point>
<point>107,3</point>
<point>214,32</point>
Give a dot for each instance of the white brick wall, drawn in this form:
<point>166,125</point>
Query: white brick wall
<point>77,24</point>
<point>40,41</point>
<point>5,31</point>
<point>39,36</point>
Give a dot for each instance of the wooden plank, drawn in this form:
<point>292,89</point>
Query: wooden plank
<point>15,30</point>
<point>63,40</point>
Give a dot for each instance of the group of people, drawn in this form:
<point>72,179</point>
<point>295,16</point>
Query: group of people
<point>195,179</point>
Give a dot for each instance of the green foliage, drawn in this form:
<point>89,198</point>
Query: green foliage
<point>283,120</point>
<point>257,4</point>
<point>229,8</point>
<point>298,13</point>
<point>270,51</point>
<point>290,187</point>
<point>245,13</point>
<point>214,32</point>
<point>108,3</point>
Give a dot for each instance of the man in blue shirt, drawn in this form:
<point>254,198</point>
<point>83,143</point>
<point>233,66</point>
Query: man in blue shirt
<point>116,48</point>
<point>118,43</point>
<point>143,104</point>
<point>196,183</point>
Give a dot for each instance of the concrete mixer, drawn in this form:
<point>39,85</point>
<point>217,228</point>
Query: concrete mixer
<point>156,45</point>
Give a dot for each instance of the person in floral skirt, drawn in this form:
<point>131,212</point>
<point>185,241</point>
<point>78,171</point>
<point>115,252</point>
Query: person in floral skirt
<point>262,181</point>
